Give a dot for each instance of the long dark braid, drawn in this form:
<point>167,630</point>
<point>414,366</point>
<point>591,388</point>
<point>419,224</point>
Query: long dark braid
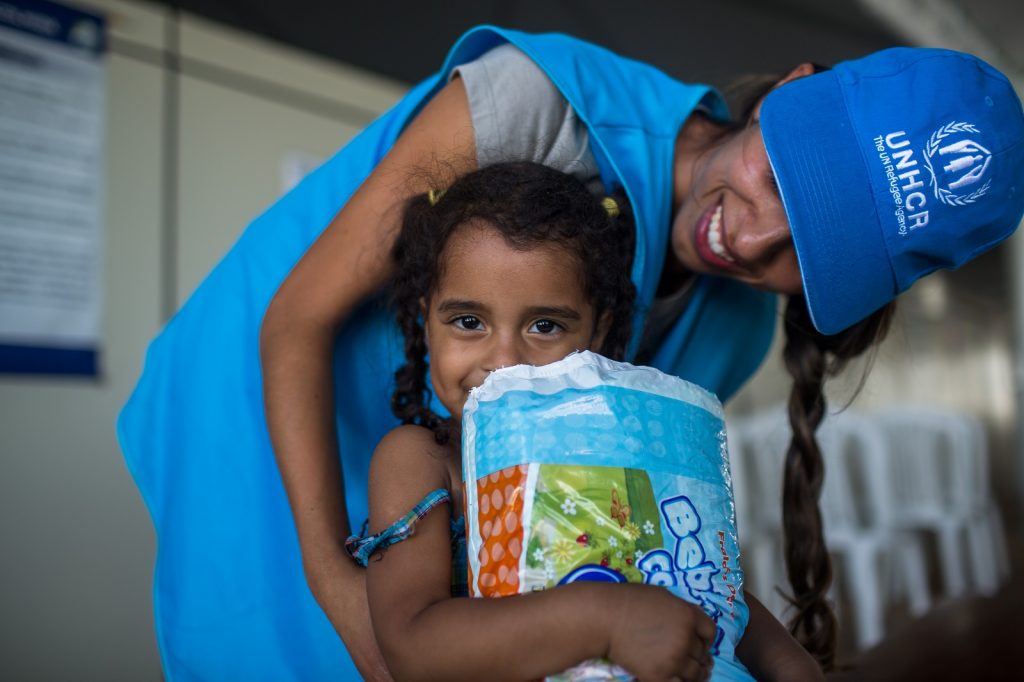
<point>810,357</point>
<point>528,204</point>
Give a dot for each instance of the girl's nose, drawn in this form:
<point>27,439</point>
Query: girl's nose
<point>504,351</point>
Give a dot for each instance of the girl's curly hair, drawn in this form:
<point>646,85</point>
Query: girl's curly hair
<point>528,204</point>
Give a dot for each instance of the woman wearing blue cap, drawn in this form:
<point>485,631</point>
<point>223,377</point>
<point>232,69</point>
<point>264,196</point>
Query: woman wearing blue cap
<point>838,189</point>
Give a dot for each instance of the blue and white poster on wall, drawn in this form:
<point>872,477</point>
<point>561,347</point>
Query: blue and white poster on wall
<point>52,93</point>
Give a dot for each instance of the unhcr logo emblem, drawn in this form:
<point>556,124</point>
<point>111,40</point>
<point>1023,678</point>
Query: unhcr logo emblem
<point>958,164</point>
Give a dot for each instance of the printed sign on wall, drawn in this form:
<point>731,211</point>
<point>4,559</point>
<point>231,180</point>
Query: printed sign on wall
<point>52,92</point>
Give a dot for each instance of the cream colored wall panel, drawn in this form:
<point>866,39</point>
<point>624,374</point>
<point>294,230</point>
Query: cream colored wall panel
<point>231,149</point>
<point>138,22</point>
<point>215,44</point>
<point>75,582</point>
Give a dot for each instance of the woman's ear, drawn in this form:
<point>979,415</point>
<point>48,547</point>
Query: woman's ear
<point>802,70</point>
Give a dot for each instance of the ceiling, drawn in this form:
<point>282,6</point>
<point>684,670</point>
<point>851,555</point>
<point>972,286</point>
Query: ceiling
<point>690,39</point>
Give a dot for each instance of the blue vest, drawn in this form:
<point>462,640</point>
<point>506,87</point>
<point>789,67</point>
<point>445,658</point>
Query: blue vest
<point>230,598</point>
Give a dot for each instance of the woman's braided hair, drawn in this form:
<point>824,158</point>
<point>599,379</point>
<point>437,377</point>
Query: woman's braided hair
<point>528,204</point>
<point>809,357</point>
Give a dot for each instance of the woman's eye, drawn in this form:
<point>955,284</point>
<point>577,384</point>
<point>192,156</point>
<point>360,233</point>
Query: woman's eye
<point>544,327</point>
<point>468,322</point>
<point>774,183</point>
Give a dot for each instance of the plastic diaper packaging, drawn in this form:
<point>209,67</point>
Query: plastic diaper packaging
<point>590,469</point>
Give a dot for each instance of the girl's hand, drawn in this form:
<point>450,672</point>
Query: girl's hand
<point>659,637</point>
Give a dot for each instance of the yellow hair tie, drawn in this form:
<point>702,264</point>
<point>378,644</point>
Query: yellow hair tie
<point>434,196</point>
<point>611,206</point>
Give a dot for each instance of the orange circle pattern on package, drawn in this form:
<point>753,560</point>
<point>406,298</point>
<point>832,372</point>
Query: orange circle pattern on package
<point>500,511</point>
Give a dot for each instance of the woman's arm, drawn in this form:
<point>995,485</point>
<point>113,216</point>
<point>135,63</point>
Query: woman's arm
<point>426,634</point>
<point>770,652</point>
<point>347,264</point>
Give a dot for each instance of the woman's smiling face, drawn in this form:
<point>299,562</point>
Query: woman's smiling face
<point>497,306</point>
<point>731,222</point>
<point>729,218</point>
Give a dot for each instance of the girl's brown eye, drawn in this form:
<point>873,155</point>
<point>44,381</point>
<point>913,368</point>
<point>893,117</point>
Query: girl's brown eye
<point>468,322</point>
<point>544,327</point>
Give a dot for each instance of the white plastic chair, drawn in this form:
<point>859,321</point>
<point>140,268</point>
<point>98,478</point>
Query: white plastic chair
<point>760,548</point>
<point>757,448</point>
<point>875,560</point>
<point>940,478</point>
<point>878,560</point>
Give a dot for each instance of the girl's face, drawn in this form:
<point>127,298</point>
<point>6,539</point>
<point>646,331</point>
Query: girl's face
<point>731,222</point>
<point>496,306</point>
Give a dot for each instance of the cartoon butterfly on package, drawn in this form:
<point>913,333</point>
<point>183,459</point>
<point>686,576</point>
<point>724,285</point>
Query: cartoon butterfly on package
<point>590,469</point>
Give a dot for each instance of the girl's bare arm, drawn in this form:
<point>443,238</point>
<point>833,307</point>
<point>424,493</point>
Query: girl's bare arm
<point>770,652</point>
<point>426,634</point>
<point>347,264</point>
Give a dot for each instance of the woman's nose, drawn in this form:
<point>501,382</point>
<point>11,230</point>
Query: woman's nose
<point>764,240</point>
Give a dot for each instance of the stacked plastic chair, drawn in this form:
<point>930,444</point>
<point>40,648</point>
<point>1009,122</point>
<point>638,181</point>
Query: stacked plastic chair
<point>877,561</point>
<point>756,451</point>
<point>939,478</point>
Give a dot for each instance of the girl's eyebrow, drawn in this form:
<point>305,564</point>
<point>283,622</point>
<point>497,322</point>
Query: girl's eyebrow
<point>555,311</point>
<point>459,304</point>
<point>469,305</point>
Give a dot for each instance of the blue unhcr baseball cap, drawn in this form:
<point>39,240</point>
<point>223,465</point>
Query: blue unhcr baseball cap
<point>890,167</point>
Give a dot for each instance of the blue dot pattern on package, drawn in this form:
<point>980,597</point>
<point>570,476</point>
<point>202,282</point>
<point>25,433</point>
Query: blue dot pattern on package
<point>602,426</point>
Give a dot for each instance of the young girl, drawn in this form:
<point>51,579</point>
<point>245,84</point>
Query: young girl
<point>515,263</point>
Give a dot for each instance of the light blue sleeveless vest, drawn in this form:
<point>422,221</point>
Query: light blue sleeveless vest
<point>230,598</point>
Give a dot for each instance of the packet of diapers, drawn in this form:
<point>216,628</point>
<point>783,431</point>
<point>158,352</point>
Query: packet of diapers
<point>590,469</point>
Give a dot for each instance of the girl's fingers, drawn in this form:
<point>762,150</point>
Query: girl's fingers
<point>692,671</point>
<point>697,668</point>
<point>706,630</point>
<point>707,672</point>
<point>699,649</point>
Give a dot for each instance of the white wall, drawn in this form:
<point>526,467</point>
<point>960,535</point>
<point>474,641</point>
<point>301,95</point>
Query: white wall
<point>190,158</point>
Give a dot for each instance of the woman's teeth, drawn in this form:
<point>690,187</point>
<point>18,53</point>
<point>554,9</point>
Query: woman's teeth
<point>715,236</point>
